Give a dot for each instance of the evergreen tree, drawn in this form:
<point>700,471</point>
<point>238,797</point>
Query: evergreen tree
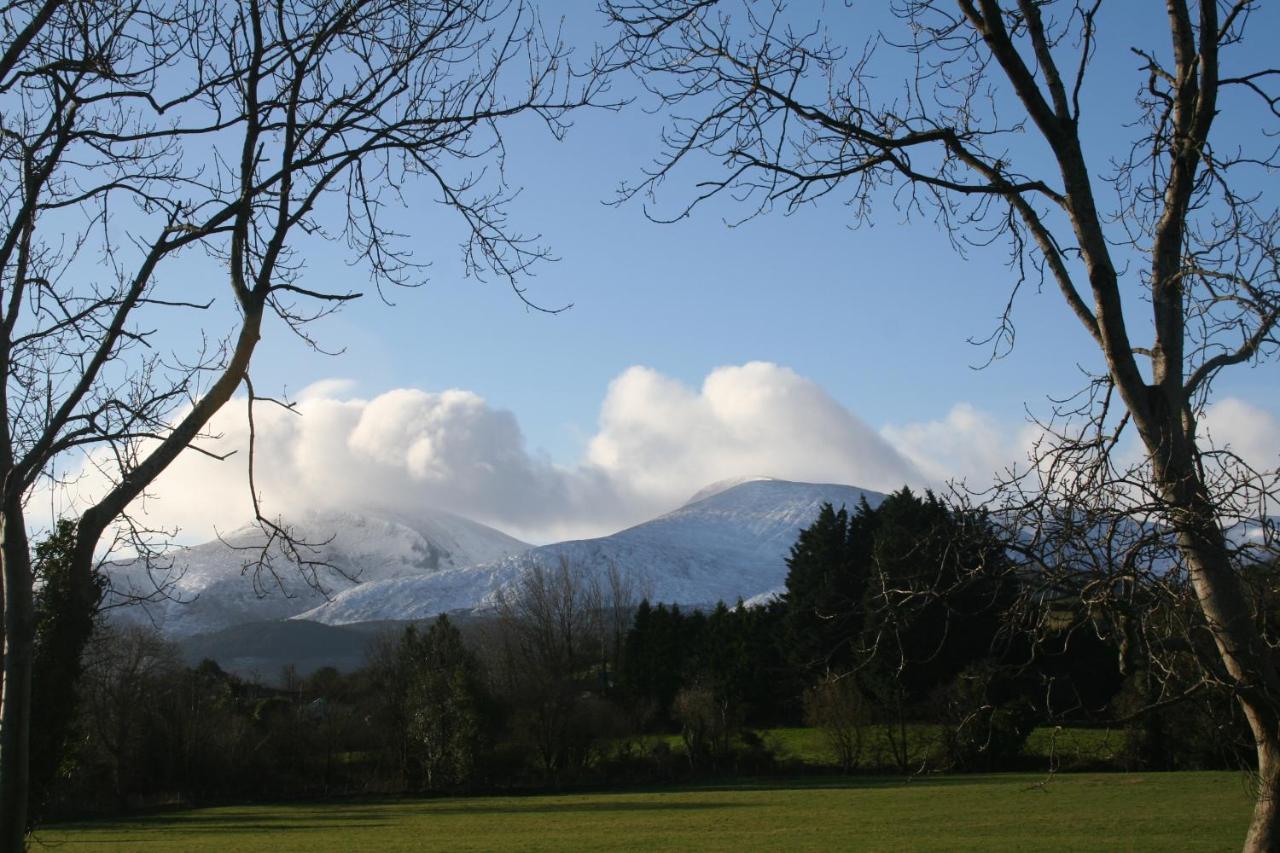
<point>905,594</point>
<point>938,583</point>
<point>64,623</point>
<point>824,588</point>
<point>445,703</point>
<point>658,647</point>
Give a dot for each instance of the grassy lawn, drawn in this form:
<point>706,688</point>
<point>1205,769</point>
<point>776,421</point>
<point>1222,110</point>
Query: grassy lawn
<point>1169,811</point>
<point>810,746</point>
<point>1071,748</point>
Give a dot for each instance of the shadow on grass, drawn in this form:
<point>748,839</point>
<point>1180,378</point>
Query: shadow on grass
<point>368,817</point>
<point>298,816</point>
<point>532,806</point>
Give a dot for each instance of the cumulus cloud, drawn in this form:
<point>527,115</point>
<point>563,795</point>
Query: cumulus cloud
<point>967,444</point>
<point>971,445</point>
<point>1248,431</point>
<point>658,441</point>
<point>402,449</point>
<point>664,440</point>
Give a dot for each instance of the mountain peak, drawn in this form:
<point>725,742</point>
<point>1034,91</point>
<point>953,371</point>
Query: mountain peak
<point>731,543</point>
<point>723,486</point>
<point>207,589</point>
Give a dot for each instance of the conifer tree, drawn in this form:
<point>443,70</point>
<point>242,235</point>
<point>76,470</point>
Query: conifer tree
<point>825,581</point>
<point>444,703</point>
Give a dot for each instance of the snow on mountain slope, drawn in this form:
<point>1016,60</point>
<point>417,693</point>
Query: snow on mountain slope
<point>208,588</point>
<point>729,542</point>
<point>722,486</point>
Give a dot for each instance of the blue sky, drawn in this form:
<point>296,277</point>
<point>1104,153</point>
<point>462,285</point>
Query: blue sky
<point>878,318</point>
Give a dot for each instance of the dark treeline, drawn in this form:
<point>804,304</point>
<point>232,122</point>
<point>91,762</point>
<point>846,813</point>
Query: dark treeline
<point>900,624</point>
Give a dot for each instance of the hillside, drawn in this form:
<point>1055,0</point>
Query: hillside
<point>208,587</point>
<point>725,544</point>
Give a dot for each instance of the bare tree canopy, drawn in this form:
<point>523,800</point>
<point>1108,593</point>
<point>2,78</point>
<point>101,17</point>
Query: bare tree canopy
<point>166,166</point>
<point>1164,248</point>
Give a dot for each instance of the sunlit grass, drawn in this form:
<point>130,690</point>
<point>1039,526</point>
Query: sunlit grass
<point>1158,811</point>
<point>1062,748</point>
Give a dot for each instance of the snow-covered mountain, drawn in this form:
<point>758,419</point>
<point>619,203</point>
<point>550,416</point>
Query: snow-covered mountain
<point>207,587</point>
<point>729,542</point>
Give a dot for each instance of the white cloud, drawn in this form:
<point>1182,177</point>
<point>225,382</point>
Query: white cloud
<point>664,440</point>
<point>971,445</point>
<point>328,388</point>
<point>402,449</point>
<point>967,444</point>
<point>1250,432</point>
<point>658,441</point>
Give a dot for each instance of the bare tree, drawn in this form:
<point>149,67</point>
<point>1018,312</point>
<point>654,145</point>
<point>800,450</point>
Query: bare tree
<point>123,671</point>
<point>159,154</point>
<point>986,136</point>
<point>837,707</point>
<point>552,620</point>
<point>621,593</point>
<point>561,627</point>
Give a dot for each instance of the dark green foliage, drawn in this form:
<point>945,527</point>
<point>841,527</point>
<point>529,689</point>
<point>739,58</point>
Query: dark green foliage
<point>1204,732</point>
<point>937,590</point>
<point>896,601</point>
<point>737,654</point>
<point>153,731</point>
<point>428,710</point>
<point>911,587</point>
<point>1177,720</point>
<point>654,656</point>
<point>898,598</point>
<point>985,723</point>
<point>826,583</point>
<point>446,705</point>
<point>64,616</point>
<point>1078,670</point>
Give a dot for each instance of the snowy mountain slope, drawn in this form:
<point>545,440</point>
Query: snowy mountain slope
<point>731,541</point>
<point>208,588</point>
<point>723,486</point>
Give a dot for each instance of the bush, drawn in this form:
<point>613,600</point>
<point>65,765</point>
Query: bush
<point>707,724</point>
<point>1205,731</point>
<point>981,733</point>
<point>836,707</point>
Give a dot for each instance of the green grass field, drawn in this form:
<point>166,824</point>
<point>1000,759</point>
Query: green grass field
<point>1169,811</point>
<point>1061,748</point>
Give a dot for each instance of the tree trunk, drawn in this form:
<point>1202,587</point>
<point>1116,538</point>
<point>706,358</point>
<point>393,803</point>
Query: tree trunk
<point>1228,613</point>
<point>1264,830</point>
<point>15,699</point>
<point>1249,662</point>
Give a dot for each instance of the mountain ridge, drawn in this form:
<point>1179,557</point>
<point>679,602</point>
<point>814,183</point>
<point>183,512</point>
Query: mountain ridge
<point>206,588</point>
<point>724,545</point>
